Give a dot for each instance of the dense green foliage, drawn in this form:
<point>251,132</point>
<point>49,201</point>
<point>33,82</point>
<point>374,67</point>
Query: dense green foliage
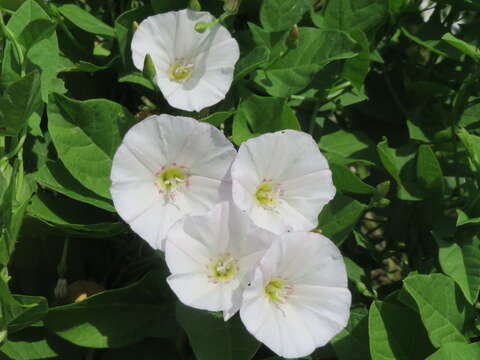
<point>392,98</point>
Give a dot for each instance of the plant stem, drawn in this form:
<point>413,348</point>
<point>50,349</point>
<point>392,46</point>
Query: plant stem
<point>18,49</point>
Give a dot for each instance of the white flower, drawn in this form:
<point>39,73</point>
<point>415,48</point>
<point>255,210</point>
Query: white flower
<point>193,70</point>
<point>165,168</point>
<point>212,257</point>
<point>282,181</point>
<point>298,299</point>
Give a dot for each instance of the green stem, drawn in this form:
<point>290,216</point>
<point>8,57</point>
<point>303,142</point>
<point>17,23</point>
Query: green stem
<point>17,148</point>
<point>18,49</point>
<point>459,104</point>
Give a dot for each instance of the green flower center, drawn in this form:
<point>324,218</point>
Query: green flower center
<point>180,71</point>
<point>170,178</point>
<point>223,269</point>
<point>277,291</point>
<point>267,194</point>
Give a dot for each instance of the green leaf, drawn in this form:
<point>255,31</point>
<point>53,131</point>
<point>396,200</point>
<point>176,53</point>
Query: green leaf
<point>86,135</point>
<point>472,144</point>
<point>218,118</point>
<point>277,15</point>
<point>275,115</point>
<point>124,31</point>
<point>347,144</point>
<point>137,78</point>
<point>37,343</point>
<point>33,309</point>
<point>72,217</point>
<point>214,339</point>
<point>115,318</point>
<point>356,69</point>
<point>471,115</point>
<point>12,5</point>
<point>86,21</point>
<point>464,219</point>
<point>53,175</point>
<point>339,217</point>
<point>443,308</point>
<point>345,180</point>
<point>429,172</point>
<point>463,46</point>
<point>352,342</point>
<point>400,164</point>
<point>461,261</point>
<point>396,333</point>
<point>293,71</point>
<point>18,103</point>
<point>43,55</point>
<point>457,351</point>
<point>348,15</point>
<point>254,59</point>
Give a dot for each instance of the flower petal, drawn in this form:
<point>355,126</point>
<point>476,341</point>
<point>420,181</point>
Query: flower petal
<point>171,37</point>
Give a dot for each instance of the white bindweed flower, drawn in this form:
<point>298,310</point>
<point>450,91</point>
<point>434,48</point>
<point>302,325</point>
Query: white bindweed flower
<point>168,167</point>
<point>298,299</point>
<point>212,258</point>
<point>282,181</point>
<point>193,70</point>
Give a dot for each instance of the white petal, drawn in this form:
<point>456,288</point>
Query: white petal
<point>324,311</point>
<point>292,160</point>
<point>147,148</point>
<point>146,41</point>
<point>195,290</point>
<point>316,309</point>
<point>196,241</point>
<point>154,224</point>
<point>132,199</point>
<point>207,152</point>
<point>171,37</point>
<point>183,253</point>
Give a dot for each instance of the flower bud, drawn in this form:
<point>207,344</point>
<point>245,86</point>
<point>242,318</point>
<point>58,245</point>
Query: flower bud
<point>231,6</point>
<point>194,5</point>
<point>149,68</point>
<point>292,40</point>
<point>201,26</point>
<point>134,26</point>
<point>61,290</point>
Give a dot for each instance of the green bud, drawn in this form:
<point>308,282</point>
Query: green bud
<point>194,5</point>
<point>231,6</point>
<point>149,68</point>
<point>3,334</point>
<point>201,26</point>
<point>292,40</point>
<point>382,189</point>
<point>134,26</point>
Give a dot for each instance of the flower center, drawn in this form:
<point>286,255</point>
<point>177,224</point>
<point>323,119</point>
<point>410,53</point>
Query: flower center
<point>180,71</point>
<point>222,269</point>
<point>277,291</point>
<point>170,179</point>
<point>268,194</point>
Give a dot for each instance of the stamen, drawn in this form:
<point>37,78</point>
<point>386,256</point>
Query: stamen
<point>222,269</point>
<point>278,291</point>
<point>170,180</point>
<point>268,194</point>
<point>181,70</point>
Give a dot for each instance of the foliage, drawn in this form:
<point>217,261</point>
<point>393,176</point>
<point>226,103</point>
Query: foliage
<point>391,95</point>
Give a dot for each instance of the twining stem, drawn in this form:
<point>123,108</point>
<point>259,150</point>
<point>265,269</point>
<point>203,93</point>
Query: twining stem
<point>459,104</point>
<point>17,148</point>
<point>18,49</point>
